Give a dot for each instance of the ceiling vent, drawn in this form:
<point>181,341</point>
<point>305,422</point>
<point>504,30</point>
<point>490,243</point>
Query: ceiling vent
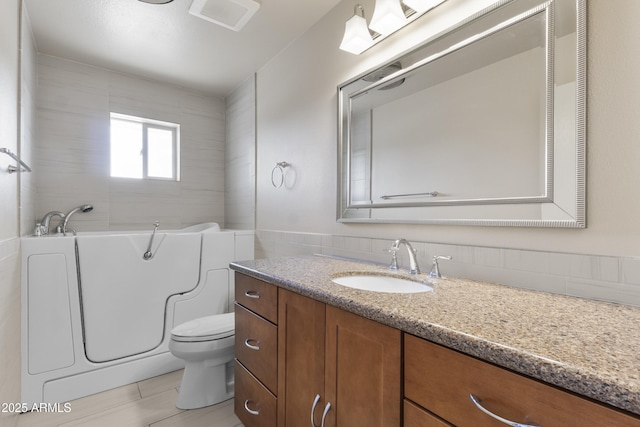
<point>232,14</point>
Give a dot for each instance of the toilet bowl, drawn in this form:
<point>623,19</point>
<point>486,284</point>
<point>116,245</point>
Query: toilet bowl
<point>206,346</point>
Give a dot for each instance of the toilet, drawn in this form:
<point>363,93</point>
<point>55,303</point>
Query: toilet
<point>206,346</point>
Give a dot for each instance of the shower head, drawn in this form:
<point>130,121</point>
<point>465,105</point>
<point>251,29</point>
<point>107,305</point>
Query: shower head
<point>83,209</point>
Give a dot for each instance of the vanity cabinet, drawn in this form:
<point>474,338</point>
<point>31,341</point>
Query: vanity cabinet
<point>297,358</point>
<point>351,363</point>
<point>300,361</point>
<point>438,383</point>
<point>256,347</point>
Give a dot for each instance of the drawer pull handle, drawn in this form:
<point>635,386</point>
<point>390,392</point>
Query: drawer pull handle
<point>476,402</point>
<point>251,346</point>
<point>324,414</point>
<point>252,294</point>
<point>251,411</point>
<point>313,409</point>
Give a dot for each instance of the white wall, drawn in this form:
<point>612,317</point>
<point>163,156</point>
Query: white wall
<point>16,196</point>
<point>28,88</point>
<point>72,149</point>
<point>240,157</point>
<point>296,121</point>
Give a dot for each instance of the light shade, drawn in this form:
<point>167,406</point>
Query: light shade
<point>357,37</point>
<point>388,17</point>
<point>422,5</point>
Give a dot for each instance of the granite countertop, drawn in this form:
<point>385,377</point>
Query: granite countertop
<point>589,347</point>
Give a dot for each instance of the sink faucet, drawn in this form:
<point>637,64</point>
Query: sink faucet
<point>413,261</point>
<point>44,224</point>
<point>435,268</point>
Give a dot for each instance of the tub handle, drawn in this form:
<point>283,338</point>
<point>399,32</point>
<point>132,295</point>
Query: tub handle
<point>251,346</point>
<point>252,294</point>
<point>251,411</point>
<point>148,254</point>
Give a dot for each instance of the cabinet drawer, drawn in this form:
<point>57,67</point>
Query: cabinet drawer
<point>441,381</point>
<point>254,404</point>
<point>256,346</point>
<point>415,416</point>
<point>258,296</point>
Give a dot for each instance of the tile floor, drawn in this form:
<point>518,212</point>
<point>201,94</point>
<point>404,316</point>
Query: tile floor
<point>148,403</point>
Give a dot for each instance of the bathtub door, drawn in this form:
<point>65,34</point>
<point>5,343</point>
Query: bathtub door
<point>124,296</point>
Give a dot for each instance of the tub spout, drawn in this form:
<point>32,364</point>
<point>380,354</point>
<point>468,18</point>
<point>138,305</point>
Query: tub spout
<point>46,220</point>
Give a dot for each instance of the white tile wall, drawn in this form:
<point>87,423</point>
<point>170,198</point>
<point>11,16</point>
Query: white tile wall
<point>606,278</point>
<point>11,199</point>
<point>72,149</point>
<point>9,326</point>
<point>28,88</point>
<point>240,157</point>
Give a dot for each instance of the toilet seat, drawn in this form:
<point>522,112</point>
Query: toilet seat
<point>205,328</point>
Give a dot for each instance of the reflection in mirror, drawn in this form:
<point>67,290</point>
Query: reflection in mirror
<point>477,126</point>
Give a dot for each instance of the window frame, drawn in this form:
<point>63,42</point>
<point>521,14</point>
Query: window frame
<point>147,124</point>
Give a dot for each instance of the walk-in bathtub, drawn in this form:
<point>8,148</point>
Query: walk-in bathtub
<point>97,313</point>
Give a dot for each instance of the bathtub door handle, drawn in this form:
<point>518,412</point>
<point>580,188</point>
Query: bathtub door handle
<point>252,294</point>
<point>251,411</point>
<point>148,254</point>
<point>251,346</point>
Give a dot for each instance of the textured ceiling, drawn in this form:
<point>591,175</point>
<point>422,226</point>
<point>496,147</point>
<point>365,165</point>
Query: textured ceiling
<point>165,42</point>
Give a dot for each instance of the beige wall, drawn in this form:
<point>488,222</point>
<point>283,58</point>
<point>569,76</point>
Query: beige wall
<point>296,121</point>
<point>72,149</point>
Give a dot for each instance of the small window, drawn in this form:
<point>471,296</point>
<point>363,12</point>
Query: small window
<point>143,148</point>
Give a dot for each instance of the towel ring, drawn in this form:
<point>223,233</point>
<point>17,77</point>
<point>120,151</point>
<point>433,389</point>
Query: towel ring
<point>277,174</point>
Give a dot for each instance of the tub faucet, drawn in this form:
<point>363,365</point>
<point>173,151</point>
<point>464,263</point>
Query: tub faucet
<point>46,220</point>
<point>67,217</point>
<point>414,268</point>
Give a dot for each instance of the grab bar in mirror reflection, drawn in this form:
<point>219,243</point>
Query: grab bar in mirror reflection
<point>393,196</point>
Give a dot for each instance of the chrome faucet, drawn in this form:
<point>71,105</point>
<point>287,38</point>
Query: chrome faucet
<point>83,209</point>
<point>46,220</point>
<point>414,268</point>
<point>435,268</point>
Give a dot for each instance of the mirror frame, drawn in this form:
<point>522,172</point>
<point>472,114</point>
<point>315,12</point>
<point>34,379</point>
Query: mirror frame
<point>365,211</point>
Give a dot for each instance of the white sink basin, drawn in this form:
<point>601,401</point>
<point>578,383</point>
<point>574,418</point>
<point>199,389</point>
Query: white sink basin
<point>382,283</point>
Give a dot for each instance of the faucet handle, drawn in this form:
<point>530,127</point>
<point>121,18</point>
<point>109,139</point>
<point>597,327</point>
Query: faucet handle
<point>435,269</point>
<point>394,258</point>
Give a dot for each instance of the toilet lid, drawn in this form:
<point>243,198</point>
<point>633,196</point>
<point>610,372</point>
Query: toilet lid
<point>205,328</point>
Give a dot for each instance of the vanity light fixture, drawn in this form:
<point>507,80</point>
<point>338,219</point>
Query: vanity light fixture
<point>388,17</point>
<point>422,6</point>
<point>357,37</point>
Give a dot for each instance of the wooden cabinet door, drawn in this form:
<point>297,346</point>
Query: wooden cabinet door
<point>362,372</point>
<point>440,380</point>
<point>301,329</point>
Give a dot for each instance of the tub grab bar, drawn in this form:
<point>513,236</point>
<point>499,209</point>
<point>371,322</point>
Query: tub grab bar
<point>11,169</point>
<point>148,254</point>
